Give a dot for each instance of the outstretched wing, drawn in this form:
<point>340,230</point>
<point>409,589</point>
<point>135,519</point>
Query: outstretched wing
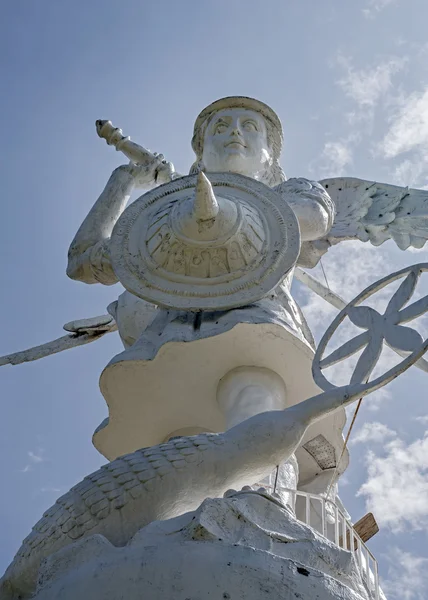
<point>372,212</point>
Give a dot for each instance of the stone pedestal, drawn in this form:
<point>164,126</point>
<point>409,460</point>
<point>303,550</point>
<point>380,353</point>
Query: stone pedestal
<point>244,546</point>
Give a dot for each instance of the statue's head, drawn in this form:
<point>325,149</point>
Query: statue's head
<point>239,135</point>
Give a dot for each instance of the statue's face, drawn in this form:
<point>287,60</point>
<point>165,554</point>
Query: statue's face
<point>236,141</point>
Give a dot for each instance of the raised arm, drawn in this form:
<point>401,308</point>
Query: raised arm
<point>89,255</point>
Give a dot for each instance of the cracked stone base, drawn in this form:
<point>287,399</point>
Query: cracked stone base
<point>244,546</point>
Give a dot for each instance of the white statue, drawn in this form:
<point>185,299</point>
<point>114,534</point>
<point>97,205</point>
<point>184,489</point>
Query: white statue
<point>238,136</point>
<point>212,339</point>
<point>233,135</point>
<point>112,506</point>
<point>165,481</point>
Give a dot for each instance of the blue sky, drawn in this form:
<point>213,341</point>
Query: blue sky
<point>349,81</point>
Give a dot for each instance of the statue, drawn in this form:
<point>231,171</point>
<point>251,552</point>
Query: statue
<point>238,136</point>
<point>212,338</point>
<point>113,507</point>
<point>163,482</point>
<point>241,136</point>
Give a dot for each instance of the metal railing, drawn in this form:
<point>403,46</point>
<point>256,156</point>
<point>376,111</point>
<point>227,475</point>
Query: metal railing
<point>333,525</point>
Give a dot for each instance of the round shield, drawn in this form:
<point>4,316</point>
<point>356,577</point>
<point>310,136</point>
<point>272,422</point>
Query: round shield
<point>205,243</point>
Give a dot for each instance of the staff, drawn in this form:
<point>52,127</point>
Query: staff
<point>136,153</point>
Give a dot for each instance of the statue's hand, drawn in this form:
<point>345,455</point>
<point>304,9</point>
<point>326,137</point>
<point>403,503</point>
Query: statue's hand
<point>164,172</point>
<point>146,176</point>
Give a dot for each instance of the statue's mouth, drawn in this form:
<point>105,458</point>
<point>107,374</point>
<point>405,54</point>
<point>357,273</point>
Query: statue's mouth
<point>235,144</point>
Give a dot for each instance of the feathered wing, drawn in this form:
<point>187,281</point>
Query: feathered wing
<point>371,212</point>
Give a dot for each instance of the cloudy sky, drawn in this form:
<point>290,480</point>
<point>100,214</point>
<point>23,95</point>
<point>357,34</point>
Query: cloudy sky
<point>350,83</point>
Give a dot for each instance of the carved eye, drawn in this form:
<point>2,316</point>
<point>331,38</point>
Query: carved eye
<point>220,128</point>
<point>249,126</point>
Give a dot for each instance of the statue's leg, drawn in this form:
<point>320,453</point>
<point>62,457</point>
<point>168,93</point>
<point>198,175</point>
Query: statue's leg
<point>247,391</point>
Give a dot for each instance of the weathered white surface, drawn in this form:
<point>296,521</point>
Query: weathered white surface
<point>205,208</point>
<point>311,204</point>
<point>365,210</point>
<point>247,391</point>
<point>165,252</point>
<point>161,385</point>
<point>258,128</point>
<point>133,316</point>
<point>248,140</point>
<point>242,136</point>
<point>167,480</point>
<point>245,546</point>
<point>91,325</point>
<point>249,136</point>
<point>146,407</point>
<point>375,212</point>
<point>82,331</point>
<point>239,135</point>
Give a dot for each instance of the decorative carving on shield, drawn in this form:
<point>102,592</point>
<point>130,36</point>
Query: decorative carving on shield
<point>205,243</point>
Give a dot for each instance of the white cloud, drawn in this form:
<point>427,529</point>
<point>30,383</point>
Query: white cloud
<point>50,490</point>
<point>409,126</point>
<point>407,577</point>
<point>374,7</point>
<point>35,457</point>
<point>423,420</point>
<point>372,432</point>
<point>408,135</point>
<point>334,158</point>
<point>367,86</point>
<point>349,268</point>
<point>396,489</point>
<point>367,89</point>
<point>375,400</point>
<point>408,172</point>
